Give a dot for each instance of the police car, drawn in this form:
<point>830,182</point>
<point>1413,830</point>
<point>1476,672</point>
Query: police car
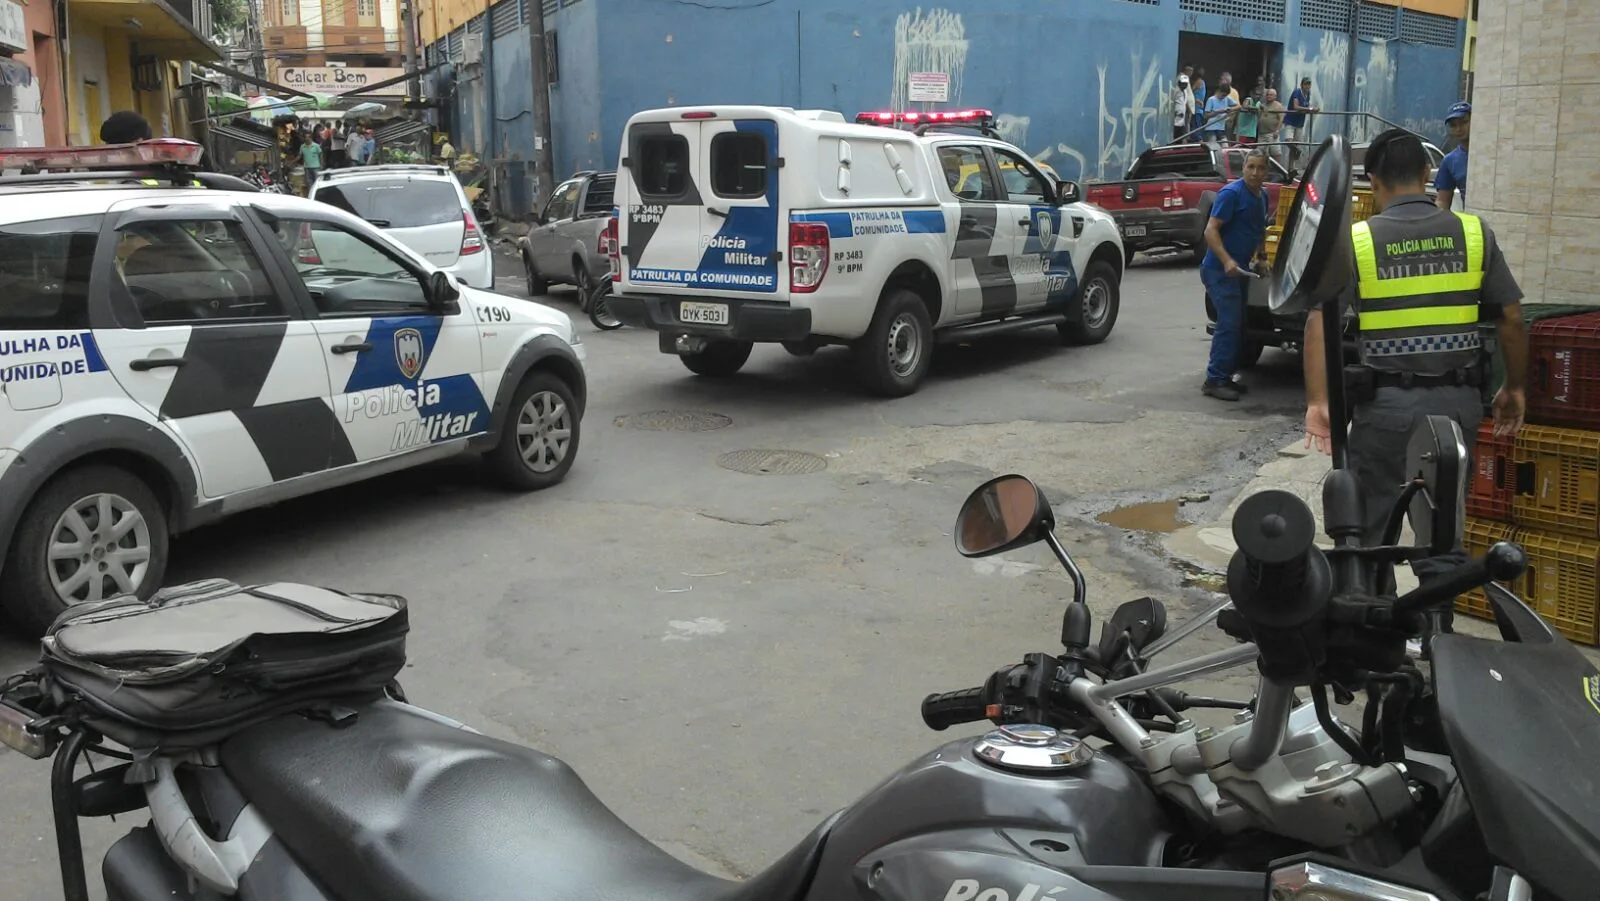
<point>170,355</point>
<point>744,224</point>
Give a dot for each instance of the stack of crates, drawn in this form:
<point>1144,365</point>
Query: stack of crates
<point>1360,209</point>
<point>1542,489</point>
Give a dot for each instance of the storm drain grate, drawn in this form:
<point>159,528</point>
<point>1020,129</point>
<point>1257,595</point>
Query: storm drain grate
<point>772,462</point>
<point>674,421</point>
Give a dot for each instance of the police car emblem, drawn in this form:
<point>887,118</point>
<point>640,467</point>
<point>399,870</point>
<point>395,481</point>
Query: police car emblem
<point>408,351</point>
<point>1046,227</point>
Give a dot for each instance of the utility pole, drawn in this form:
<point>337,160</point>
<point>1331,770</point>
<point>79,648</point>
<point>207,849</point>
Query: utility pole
<point>258,53</point>
<point>408,42</point>
<point>539,58</point>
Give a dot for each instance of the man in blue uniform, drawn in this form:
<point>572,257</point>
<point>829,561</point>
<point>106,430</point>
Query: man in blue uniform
<point>1234,234</point>
<point>1452,177</point>
<point>1424,279</point>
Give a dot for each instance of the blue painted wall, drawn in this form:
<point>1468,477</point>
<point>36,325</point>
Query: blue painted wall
<point>1083,85</point>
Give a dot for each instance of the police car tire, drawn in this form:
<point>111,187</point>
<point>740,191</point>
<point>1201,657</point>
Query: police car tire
<point>1080,330</point>
<point>536,282</point>
<point>871,352</point>
<point>720,358</point>
<point>30,601</point>
<point>505,461</point>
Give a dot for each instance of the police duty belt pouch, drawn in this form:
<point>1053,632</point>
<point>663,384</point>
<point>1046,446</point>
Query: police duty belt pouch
<point>201,661</point>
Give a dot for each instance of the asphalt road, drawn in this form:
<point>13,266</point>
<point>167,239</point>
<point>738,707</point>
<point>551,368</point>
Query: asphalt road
<point>728,657</point>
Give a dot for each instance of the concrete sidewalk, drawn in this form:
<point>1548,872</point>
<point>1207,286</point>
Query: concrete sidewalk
<point>1209,545</point>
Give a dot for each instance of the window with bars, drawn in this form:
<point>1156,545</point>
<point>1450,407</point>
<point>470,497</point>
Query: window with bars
<point>1333,15</point>
<point>1375,20</point>
<point>1428,28</point>
<point>505,16</point>
<point>1259,10</point>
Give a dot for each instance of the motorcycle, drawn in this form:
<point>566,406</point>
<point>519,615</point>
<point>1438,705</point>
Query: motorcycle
<point>1468,782</point>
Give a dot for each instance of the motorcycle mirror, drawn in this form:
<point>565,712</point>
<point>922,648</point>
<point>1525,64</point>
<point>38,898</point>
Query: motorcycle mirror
<point>1313,260</point>
<point>1437,455</point>
<point>1003,513</point>
<point>1143,620</point>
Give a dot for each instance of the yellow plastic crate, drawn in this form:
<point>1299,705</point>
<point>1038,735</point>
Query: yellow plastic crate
<point>1360,208</point>
<point>1482,534</point>
<point>1564,466</point>
<point>1562,582</point>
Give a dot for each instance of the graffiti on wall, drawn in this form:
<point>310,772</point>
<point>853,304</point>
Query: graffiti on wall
<point>935,42</point>
<point>1123,128</point>
<point>1372,89</point>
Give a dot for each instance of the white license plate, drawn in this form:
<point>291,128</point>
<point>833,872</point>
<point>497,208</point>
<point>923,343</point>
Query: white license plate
<point>703,313</point>
<point>1134,231</point>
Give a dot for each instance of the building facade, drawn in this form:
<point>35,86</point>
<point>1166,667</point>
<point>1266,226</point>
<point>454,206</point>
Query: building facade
<point>1083,85</point>
<point>32,105</point>
<point>333,46</point>
<point>133,55</point>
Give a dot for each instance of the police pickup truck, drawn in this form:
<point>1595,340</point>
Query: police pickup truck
<point>743,224</point>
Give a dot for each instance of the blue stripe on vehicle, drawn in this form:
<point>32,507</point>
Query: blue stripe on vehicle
<point>381,366</point>
<point>91,354</point>
<point>838,223</point>
<point>925,222</point>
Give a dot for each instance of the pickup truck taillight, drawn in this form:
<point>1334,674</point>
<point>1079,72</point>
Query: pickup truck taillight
<point>808,256</point>
<point>471,240</point>
<point>611,248</point>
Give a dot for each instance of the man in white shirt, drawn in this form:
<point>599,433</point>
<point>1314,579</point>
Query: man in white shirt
<point>1182,107</point>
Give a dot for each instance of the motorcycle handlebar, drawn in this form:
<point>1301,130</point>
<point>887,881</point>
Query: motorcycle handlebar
<point>941,711</point>
<point>1503,563</point>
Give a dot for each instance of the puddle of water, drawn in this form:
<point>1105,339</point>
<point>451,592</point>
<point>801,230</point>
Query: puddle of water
<point>1155,516</point>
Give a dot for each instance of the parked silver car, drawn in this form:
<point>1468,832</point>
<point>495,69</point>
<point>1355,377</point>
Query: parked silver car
<point>564,245</point>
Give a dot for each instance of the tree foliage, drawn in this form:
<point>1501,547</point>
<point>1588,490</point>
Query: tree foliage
<point>228,17</point>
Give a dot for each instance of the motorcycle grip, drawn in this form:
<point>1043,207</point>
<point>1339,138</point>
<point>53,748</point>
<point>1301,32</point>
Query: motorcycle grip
<point>953,708</point>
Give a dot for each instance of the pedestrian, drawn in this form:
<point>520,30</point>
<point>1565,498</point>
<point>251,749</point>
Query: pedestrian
<point>1218,111</point>
<point>1249,118</point>
<point>336,147</point>
<point>1297,122</point>
<point>311,158</point>
<point>1235,234</point>
<point>1226,80</point>
<point>124,127</point>
<point>1201,94</point>
<point>1182,108</point>
<point>352,146</point>
<point>1452,176</point>
<point>1424,279</point>
<point>1270,129</point>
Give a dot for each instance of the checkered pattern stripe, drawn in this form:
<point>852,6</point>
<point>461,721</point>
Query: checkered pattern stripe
<point>1421,344</point>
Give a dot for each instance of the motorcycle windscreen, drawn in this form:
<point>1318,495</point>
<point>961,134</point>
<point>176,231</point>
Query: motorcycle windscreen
<point>1523,724</point>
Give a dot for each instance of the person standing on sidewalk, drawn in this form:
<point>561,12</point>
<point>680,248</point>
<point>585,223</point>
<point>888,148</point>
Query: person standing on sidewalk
<point>1182,107</point>
<point>1297,123</point>
<point>1235,233</point>
<point>1424,279</point>
<point>1452,176</point>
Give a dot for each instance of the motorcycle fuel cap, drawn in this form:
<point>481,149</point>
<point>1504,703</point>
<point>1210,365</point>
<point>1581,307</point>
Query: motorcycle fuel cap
<point>1032,748</point>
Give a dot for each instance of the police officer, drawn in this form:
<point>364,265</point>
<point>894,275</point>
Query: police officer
<point>1424,279</point>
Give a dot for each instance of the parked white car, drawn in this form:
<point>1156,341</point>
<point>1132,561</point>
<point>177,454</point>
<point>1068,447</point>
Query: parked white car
<point>423,207</point>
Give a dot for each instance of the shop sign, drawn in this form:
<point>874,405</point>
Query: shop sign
<point>335,79</point>
<point>13,27</point>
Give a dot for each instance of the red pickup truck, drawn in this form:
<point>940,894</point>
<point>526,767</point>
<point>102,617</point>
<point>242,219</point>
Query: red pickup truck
<point>1166,198</point>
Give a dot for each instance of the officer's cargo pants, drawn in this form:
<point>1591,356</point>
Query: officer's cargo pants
<point>1379,434</point>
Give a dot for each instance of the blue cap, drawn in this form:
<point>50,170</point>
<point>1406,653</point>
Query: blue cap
<point>1457,110</point>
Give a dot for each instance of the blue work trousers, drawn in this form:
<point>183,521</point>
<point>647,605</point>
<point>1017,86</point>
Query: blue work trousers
<point>1227,339</point>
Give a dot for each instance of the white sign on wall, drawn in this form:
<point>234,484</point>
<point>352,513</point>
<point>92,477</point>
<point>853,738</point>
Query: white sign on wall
<point>337,79</point>
<point>929,87</point>
<point>13,27</point>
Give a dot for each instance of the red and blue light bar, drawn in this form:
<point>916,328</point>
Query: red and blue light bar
<point>158,152</point>
<point>979,117</point>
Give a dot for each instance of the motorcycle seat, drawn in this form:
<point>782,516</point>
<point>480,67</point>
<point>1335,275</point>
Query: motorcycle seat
<point>399,806</point>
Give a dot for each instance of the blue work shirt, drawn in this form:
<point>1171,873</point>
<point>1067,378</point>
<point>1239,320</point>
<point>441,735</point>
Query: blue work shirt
<point>1296,119</point>
<point>1453,174</point>
<point>1218,104</point>
<point>1244,223</point>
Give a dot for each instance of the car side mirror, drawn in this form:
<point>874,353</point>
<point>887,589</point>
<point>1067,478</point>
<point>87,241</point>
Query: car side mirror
<point>1069,192</point>
<point>442,289</point>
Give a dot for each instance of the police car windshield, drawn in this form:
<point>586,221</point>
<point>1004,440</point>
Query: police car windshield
<point>399,202</point>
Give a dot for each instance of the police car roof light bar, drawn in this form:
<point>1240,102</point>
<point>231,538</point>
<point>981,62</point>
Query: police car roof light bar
<point>158,152</point>
<point>981,118</point>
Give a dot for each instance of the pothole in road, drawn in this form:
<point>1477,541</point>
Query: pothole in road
<point>772,462</point>
<point>1154,516</point>
<point>674,421</point>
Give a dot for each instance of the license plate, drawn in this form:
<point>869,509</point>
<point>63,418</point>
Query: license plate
<point>1134,231</point>
<point>703,313</point>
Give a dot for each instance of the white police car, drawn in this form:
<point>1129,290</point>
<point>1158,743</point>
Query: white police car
<point>171,355</point>
<point>745,224</point>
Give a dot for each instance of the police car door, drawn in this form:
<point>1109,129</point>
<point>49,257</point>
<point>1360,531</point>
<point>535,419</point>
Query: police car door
<point>990,233</point>
<point>405,376</point>
<point>1042,265</point>
<point>660,229</point>
<point>215,346</point>
<point>739,213</point>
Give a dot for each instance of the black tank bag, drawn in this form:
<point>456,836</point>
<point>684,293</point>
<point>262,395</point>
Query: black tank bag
<point>199,662</point>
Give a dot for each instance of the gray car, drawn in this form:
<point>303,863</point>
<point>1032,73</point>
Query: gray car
<point>564,245</point>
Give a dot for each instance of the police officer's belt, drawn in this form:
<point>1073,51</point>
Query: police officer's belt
<point>1364,381</point>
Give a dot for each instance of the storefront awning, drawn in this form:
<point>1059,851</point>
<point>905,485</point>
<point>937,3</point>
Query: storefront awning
<point>399,131</point>
<point>154,25</point>
<point>247,138</point>
<point>14,74</point>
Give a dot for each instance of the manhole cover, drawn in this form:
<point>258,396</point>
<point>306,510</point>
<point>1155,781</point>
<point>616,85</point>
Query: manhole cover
<point>674,421</point>
<point>772,462</point>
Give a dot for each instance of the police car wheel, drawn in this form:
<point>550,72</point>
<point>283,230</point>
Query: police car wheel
<point>893,357</point>
<point>720,358</point>
<point>1099,300</point>
<point>92,533</point>
<point>539,439</point>
<point>536,283</point>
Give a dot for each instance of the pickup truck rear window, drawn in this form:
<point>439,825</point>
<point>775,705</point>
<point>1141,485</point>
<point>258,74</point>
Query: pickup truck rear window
<point>600,197</point>
<point>663,166</point>
<point>1174,165</point>
<point>44,273</point>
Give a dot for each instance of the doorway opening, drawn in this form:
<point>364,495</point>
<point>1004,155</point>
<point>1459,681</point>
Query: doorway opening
<point>1249,62</point>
